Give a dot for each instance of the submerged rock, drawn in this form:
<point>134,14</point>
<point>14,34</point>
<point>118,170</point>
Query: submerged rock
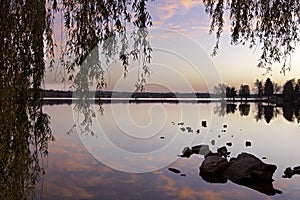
<point>201,149</point>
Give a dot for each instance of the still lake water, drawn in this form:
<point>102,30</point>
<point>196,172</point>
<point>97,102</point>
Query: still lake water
<point>134,145</point>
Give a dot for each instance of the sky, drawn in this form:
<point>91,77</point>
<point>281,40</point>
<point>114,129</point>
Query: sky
<point>181,58</point>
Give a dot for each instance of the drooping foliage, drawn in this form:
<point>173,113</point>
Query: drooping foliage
<point>272,25</point>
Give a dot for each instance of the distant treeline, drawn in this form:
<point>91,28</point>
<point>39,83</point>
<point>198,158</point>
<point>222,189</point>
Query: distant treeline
<point>111,94</point>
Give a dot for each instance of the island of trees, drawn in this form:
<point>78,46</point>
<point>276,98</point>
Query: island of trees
<point>268,91</point>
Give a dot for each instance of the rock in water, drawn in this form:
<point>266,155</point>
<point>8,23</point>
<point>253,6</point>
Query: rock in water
<point>223,151</point>
<point>289,172</point>
<point>248,143</point>
<point>176,171</point>
<point>247,166</point>
<point>229,144</point>
<point>213,164</point>
<point>189,129</point>
<point>246,170</point>
<point>186,152</point>
<point>213,142</point>
<point>201,149</point>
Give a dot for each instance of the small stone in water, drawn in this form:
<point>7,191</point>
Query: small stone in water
<point>204,124</point>
<point>176,171</point>
<point>248,143</point>
<point>213,142</point>
<point>229,144</point>
<point>189,129</point>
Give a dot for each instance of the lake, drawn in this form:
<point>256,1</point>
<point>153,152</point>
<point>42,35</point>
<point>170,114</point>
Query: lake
<point>133,145</point>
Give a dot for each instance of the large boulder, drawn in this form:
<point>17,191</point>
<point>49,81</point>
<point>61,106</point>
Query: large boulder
<point>247,166</point>
<point>214,164</point>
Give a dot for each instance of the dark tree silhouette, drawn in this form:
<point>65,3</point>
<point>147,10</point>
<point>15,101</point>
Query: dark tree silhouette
<point>244,91</point>
<point>297,113</point>
<point>288,91</point>
<point>272,24</point>
<point>231,92</point>
<point>269,88</point>
<point>259,88</point>
<point>297,88</point>
<point>277,88</point>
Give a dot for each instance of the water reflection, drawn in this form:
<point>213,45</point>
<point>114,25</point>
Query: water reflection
<point>244,109</point>
<point>230,108</point>
<point>266,112</point>
<point>82,176</point>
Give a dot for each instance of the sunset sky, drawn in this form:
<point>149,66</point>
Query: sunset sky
<point>187,20</point>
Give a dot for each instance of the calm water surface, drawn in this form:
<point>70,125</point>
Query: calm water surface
<point>147,139</point>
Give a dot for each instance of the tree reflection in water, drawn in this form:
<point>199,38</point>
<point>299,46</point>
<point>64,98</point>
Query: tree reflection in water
<point>291,112</point>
